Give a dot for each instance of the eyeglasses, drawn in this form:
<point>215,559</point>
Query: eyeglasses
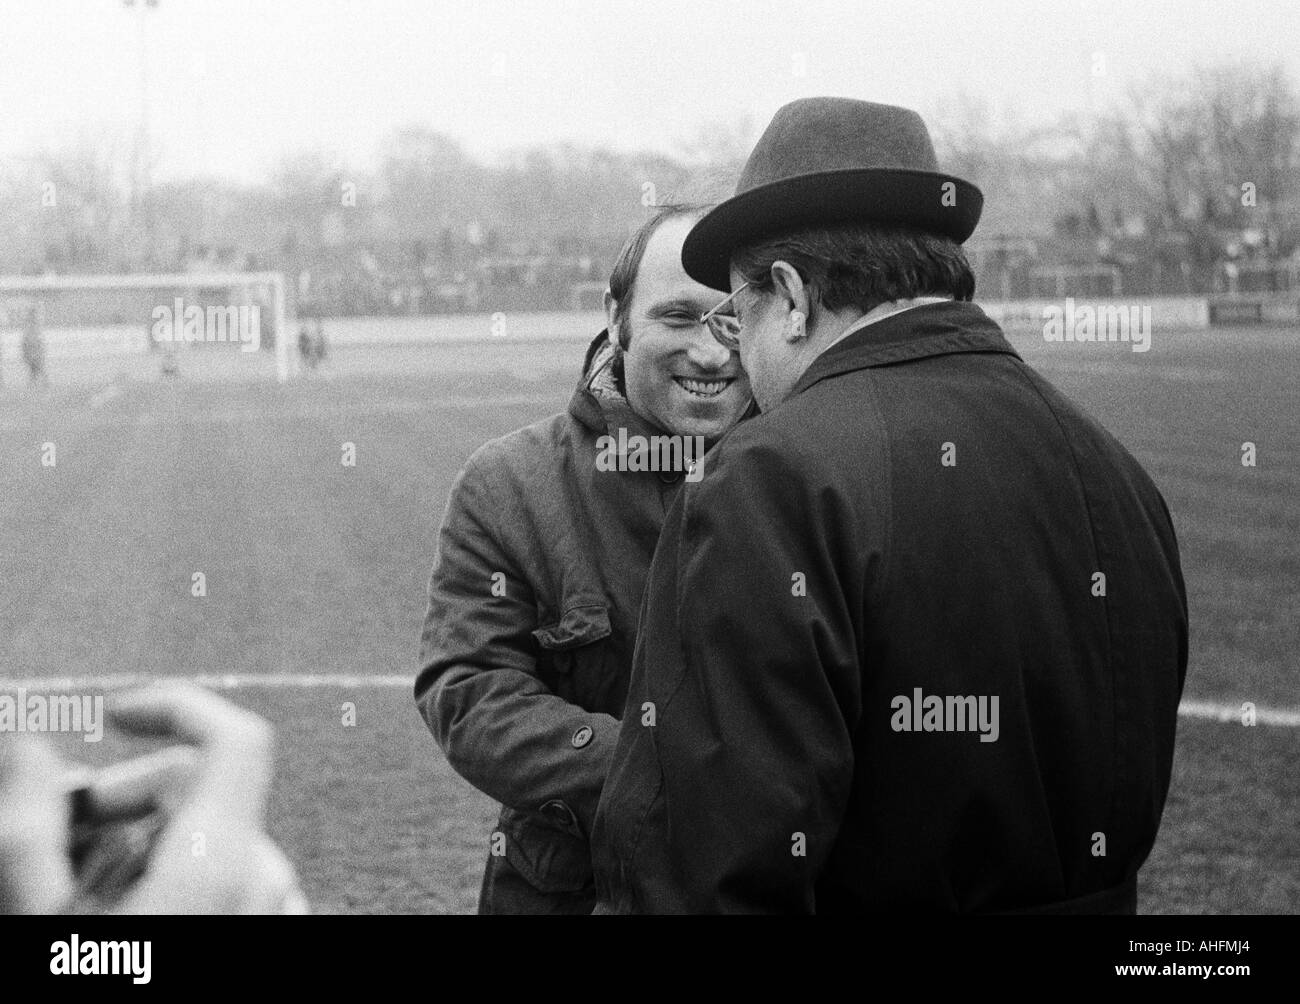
<point>724,327</point>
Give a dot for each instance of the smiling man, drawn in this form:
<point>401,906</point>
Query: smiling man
<point>542,558</point>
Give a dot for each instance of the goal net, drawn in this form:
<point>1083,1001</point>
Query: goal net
<point>166,323</point>
<point>1075,280</point>
<point>1261,277</point>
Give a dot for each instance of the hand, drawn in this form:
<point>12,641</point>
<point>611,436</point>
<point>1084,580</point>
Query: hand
<point>212,856</point>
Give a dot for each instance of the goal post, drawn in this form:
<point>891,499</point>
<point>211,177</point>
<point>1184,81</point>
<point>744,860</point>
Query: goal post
<point>81,297</point>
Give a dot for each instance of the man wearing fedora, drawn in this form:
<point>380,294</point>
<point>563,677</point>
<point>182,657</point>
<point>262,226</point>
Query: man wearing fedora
<point>916,640</point>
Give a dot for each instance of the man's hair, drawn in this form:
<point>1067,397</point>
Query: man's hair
<point>622,279</point>
<point>863,265</point>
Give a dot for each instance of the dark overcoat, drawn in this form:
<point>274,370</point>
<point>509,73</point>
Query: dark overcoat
<point>925,518</point>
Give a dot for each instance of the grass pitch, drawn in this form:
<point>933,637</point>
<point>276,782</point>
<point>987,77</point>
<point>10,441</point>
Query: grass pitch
<point>313,567</point>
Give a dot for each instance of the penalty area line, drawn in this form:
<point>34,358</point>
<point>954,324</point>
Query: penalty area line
<point>1212,710</point>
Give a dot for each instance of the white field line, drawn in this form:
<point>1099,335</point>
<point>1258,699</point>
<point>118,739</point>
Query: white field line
<point>227,681</point>
<point>1213,710</point>
<point>1286,717</point>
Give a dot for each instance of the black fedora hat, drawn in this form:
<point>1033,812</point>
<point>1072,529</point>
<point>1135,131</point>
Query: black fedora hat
<point>833,161</point>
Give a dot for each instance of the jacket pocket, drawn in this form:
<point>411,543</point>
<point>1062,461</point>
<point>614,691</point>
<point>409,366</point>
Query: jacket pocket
<point>577,627</point>
<point>574,655</point>
<point>549,856</point>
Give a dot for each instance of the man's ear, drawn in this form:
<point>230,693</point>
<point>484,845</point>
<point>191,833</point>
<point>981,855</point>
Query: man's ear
<point>790,287</point>
<point>793,296</point>
<point>610,306</point>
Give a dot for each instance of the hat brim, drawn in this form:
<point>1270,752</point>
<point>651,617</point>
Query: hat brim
<point>866,195</point>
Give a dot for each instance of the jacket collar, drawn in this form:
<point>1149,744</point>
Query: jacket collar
<point>597,402</point>
<point>935,329</point>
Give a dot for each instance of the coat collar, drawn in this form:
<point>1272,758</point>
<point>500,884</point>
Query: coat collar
<point>888,309</point>
<point>935,329</point>
<point>598,404</point>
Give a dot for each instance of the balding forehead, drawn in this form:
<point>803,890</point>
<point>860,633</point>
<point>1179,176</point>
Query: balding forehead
<point>662,262</point>
<point>660,273</point>
<point>665,246</point>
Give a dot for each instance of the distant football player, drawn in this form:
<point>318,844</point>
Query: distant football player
<point>34,347</point>
<point>306,346</point>
<point>318,346</point>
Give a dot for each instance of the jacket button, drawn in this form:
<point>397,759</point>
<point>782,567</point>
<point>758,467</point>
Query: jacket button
<point>558,811</point>
<point>581,737</point>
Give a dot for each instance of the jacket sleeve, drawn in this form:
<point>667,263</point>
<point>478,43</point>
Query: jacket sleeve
<point>770,690</point>
<point>500,727</point>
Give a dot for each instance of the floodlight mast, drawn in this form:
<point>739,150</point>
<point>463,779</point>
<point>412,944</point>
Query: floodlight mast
<point>140,173</point>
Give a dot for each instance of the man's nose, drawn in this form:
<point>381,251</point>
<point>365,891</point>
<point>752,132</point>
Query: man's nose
<point>707,352</point>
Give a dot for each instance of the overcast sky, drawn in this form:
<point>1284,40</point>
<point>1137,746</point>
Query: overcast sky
<point>234,85</point>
